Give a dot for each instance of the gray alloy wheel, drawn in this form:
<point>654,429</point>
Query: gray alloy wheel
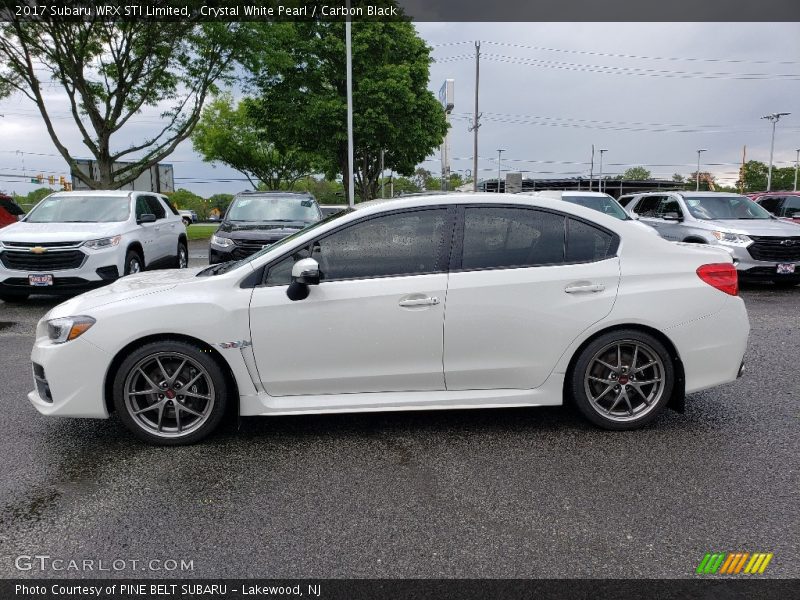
<point>183,256</point>
<point>623,379</point>
<point>170,393</point>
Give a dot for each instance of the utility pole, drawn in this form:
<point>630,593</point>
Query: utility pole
<point>499,154</point>
<point>600,177</point>
<point>591,170</point>
<point>697,175</point>
<point>476,116</point>
<point>349,49</point>
<point>796,168</point>
<point>383,184</point>
<point>772,118</point>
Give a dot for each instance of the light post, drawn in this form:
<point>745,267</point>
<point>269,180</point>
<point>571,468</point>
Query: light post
<point>499,155</point>
<point>600,177</point>
<point>697,186</point>
<point>796,167</point>
<point>349,73</point>
<point>772,118</point>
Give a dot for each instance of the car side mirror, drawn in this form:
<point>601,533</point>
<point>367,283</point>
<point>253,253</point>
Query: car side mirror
<point>305,272</point>
<point>146,218</point>
<point>672,216</point>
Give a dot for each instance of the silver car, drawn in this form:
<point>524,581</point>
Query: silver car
<point>764,248</point>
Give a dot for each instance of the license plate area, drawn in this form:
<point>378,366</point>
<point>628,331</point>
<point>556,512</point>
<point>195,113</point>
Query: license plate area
<point>40,280</point>
<point>786,268</point>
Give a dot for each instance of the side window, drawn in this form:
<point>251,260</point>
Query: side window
<point>498,237</point>
<point>400,244</point>
<point>669,205</point>
<point>647,206</point>
<point>281,272</point>
<point>791,207</point>
<point>771,204</point>
<point>156,207</point>
<point>586,243</point>
<point>142,208</point>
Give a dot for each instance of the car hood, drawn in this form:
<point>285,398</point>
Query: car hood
<point>125,288</point>
<point>773,227</point>
<point>58,232</point>
<point>259,231</point>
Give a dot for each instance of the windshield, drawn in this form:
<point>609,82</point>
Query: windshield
<point>273,208</point>
<point>80,209</point>
<point>724,208</point>
<point>234,264</point>
<point>603,204</point>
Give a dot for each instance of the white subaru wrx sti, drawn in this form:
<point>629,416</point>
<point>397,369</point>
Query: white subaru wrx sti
<point>458,301</point>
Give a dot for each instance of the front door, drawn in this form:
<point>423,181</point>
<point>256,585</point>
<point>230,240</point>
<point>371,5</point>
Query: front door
<point>374,322</point>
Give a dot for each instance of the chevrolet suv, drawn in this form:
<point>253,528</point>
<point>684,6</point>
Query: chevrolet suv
<point>258,219</point>
<point>763,247</point>
<point>73,241</point>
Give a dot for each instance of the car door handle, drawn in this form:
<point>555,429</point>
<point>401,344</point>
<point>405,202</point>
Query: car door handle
<point>583,288</point>
<point>417,301</point>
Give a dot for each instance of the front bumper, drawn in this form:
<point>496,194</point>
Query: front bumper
<point>96,268</point>
<point>74,375</point>
<point>751,269</point>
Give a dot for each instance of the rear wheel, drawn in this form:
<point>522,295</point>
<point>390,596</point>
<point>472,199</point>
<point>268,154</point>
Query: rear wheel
<point>13,296</point>
<point>187,221</point>
<point>622,380</point>
<point>170,393</point>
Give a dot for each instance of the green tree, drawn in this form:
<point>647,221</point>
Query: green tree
<point>302,83</point>
<point>36,196</point>
<point>109,71</point>
<point>636,174</point>
<point>186,200</point>
<point>752,176</point>
<point>232,137</point>
<point>677,178</point>
<point>220,202</point>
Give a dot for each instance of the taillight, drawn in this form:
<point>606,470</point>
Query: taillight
<point>722,276</point>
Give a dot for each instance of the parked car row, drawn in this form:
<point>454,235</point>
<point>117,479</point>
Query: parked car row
<point>348,315</point>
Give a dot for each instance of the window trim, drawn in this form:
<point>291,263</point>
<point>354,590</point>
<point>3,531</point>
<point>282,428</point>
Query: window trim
<point>457,256</point>
<point>445,252</point>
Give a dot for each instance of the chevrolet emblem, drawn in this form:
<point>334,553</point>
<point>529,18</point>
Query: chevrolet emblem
<point>38,250</point>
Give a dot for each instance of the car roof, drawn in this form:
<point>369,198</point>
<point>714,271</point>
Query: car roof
<point>274,193</point>
<point>97,193</point>
<point>556,194</point>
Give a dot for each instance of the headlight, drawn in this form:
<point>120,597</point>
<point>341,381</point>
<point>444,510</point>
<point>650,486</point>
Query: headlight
<point>731,238</point>
<point>221,241</point>
<point>108,242</point>
<point>66,329</point>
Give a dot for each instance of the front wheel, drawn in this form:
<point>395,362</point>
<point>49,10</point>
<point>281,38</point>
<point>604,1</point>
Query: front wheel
<point>622,380</point>
<point>183,255</point>
<point>170,393</point>
<point>133,263</point>
<point>187,221</point>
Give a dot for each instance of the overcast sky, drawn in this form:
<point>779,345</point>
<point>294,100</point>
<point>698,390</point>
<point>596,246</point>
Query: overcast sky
<point>651,94</point>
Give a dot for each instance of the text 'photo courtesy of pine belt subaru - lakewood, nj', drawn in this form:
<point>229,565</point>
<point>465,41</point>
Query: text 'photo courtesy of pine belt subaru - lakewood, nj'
<point>457,301</point>
<point>74,241</point>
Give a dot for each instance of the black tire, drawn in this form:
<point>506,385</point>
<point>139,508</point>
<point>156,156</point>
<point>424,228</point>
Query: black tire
<point>187,221</point>
<point>168,433</point>
<point>132,257</point>
<point>13,296</point>
<point>182,257</point>
<point>594,374</point>
<point>784,284</point>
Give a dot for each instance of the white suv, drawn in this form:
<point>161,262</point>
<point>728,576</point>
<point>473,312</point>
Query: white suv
<point>72,241</point>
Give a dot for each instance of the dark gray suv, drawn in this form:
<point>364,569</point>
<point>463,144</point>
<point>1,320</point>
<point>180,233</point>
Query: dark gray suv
<point>258,219</point>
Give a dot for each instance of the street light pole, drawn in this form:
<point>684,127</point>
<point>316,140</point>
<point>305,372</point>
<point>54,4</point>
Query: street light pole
<point>697,175</point>
<point>600,177</point>
<point>499,154</point>
<point>349,50</point>
<point>772,118</point>
<point>796,167</point>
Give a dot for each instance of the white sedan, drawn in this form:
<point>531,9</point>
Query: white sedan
<point>456,301</point>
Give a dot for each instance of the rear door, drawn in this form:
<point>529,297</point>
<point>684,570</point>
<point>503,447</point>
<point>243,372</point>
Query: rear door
<point>669,229</point>
<point>523,285</point>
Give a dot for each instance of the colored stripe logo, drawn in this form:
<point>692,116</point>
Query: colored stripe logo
<point>734,563</point>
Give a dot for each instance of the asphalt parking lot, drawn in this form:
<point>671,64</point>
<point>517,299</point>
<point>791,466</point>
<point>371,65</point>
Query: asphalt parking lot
<point>488,493</point>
